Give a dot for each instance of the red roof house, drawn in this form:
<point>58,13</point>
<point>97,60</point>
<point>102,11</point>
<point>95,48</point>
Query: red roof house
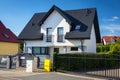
<point>9,44</point>
<point>110,39</point>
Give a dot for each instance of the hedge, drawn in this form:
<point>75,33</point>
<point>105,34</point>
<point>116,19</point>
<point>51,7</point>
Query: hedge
<point>84,61</point>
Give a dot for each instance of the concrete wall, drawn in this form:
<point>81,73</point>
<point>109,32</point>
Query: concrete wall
<point>7,48</point>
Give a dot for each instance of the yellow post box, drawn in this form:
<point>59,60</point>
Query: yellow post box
<point>47,65</point>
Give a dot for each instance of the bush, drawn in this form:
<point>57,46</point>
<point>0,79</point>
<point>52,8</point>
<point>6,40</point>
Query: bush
<point>98,48</point>
<point>83,61</point>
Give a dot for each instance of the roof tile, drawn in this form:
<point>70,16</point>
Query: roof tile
<point>6,35</point>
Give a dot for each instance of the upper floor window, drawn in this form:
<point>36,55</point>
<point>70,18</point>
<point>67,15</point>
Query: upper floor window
<point>49,35</point>
<point>77,27</point>
<point>60,34</point>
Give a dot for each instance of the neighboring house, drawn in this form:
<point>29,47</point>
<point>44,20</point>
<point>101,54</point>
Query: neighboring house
<point>63,31</point>
<point>110,39</point>
<point>9,44</point>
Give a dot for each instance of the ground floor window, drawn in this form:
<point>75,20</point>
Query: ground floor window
<point>40,50</point>
<point>74,48</point>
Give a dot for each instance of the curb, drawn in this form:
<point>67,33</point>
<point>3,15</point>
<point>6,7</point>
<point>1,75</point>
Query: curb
<point>79,76</point>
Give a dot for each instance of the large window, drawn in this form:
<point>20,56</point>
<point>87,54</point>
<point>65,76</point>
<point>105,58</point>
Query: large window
<point>40,50</point>
<point>60,34</point>
<point>49,35</point>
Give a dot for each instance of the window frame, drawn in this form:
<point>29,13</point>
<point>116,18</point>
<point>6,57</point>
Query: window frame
<point>77,27</point>
<point>58,34</point>
<point>40,51</point>
<point>48,35</point>
<point>74,49</point>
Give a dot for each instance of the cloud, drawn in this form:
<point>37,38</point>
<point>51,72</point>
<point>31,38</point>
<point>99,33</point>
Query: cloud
<point>111,29</point>
<point>114,18</point>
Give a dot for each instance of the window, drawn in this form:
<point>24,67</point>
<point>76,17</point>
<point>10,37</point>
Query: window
<point>36,50</point>
<point>74,48</point>
<point>77,27</point>
<point>49,35</point>
<point>49,31</point>
<point>40,50</point>
<point>60,34</point>
<point>5,35</point>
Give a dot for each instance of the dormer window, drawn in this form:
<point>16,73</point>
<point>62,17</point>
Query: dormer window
<point>77,27</point>
<point>5,35</point>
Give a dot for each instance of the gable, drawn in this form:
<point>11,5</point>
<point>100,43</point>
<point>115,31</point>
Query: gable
<point>85,17</point>
<point>6,35</point>
<point>53,19</point>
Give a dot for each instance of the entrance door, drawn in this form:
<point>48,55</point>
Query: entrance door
<point>56,50</point>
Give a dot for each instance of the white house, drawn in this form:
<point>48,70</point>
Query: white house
<point>63,31</point>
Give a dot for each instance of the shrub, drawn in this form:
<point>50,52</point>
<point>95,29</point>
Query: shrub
<point>98,48</point>
<point>83,61</point>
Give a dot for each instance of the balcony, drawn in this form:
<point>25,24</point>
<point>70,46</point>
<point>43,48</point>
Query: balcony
<point>60,38</point>
<point>48,38</point>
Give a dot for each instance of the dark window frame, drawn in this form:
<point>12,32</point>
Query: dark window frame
<point>60,35</point>
<point>40,53</point>
<point>48,36</point>
<point>74,49</point>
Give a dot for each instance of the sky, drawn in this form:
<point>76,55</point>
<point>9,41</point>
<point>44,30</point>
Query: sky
<point>15,14</point>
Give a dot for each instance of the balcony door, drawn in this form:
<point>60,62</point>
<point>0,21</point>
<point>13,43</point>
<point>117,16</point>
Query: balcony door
<point>60,34</point>
<point>49,35</point>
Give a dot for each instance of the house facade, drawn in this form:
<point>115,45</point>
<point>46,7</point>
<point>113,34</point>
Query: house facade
<point>110,39</point>
<point>70,31</point>
<point>9,44</point>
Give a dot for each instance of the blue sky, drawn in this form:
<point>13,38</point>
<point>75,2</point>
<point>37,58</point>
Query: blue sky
<point>15,14</point>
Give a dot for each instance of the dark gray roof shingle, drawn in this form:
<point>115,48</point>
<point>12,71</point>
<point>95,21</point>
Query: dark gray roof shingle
<point>83,17</point>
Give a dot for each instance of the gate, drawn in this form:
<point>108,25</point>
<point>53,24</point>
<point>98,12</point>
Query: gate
<point>104,66</point>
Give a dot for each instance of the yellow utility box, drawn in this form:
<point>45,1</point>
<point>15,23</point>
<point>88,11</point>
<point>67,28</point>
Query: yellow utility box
<point>47,65</point>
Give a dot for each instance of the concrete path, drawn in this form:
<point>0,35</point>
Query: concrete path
<point>22,75</point>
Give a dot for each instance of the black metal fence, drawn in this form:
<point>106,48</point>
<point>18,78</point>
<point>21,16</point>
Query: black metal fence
<point>105,65</point>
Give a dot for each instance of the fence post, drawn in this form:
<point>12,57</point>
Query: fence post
<point>36,63</point>
<point>17,62</point>
<point>9,62</point>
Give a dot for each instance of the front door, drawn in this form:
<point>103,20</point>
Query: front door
<point>56,50</point>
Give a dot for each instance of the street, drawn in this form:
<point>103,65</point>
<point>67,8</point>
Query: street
<point>22,75</point>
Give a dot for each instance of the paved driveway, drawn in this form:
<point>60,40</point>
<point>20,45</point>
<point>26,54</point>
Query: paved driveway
<point>52,76</point>
<point>18,75</point>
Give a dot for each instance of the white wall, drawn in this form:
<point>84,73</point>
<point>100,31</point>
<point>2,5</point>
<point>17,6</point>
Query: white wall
<point>91,44</point>
<point>55,20</point>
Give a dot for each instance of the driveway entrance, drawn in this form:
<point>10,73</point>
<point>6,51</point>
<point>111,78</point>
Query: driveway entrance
<point>22,75</point>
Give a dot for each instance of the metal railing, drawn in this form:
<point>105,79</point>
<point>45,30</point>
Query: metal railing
<point>60,38</point>
<point>105,66</point>
<point>49,38</point>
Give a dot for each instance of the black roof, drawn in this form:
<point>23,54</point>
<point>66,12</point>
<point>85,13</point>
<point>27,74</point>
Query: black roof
<point>83,17</point>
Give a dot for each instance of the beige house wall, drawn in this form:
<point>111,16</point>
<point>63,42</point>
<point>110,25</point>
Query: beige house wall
<point>8,48</point>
